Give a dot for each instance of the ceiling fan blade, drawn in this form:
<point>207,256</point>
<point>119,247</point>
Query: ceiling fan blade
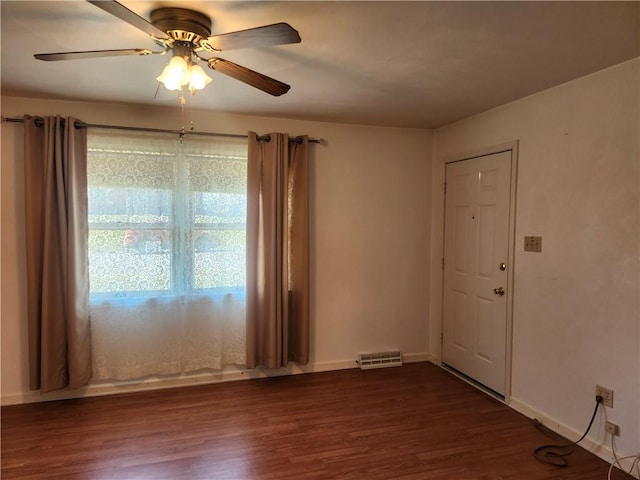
<point>255,79</point>
<point>276,34</point>
<point>123,13</point>
<point>49,57</point>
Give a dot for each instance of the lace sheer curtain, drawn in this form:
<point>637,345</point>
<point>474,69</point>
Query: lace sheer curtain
<point>167,257</point>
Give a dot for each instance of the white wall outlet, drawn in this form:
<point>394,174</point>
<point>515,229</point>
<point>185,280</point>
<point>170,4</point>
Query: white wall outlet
<point>612,428</point>
<point>606,394</point>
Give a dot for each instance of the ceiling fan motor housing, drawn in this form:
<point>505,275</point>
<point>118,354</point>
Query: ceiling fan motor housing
<point>182,25</point>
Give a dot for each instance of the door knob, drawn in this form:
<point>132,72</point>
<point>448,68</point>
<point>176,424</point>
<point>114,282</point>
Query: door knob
<point>498,291</point>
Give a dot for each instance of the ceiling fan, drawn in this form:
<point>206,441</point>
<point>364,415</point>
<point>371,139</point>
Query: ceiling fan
<point>187,34</point>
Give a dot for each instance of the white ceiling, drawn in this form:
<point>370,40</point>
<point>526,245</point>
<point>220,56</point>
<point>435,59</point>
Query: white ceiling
<point>409,64</point>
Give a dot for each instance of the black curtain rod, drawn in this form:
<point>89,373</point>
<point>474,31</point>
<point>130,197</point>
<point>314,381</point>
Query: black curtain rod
<point>78,124</point>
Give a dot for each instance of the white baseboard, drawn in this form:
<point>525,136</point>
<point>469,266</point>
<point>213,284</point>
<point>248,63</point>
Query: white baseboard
<point>227,375</point>
<point>594,446</point>
<point>419,357</point>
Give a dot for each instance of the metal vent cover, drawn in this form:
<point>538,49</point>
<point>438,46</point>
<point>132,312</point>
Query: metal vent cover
<point>379,360</point>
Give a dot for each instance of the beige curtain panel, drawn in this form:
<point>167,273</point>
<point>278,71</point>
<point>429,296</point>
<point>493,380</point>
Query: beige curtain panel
<point>277,251</point>
<point>56,246</point>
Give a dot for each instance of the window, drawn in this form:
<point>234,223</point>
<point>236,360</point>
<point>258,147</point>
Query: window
<point>166,253</point>
<point>166,218</point>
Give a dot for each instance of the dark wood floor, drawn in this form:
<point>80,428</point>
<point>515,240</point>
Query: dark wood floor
<point>416,422</point>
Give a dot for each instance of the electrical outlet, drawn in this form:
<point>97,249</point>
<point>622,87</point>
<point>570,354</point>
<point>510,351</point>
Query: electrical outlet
<point>532,243</point>
<point>612,428</point>
<point>606,394</point>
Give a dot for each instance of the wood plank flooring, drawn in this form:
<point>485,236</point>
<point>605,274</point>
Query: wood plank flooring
<point>415,422</point>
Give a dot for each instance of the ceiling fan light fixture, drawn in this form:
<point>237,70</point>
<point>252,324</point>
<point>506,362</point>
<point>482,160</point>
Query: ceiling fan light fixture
<point>176,74</point>
<point>198,79</point>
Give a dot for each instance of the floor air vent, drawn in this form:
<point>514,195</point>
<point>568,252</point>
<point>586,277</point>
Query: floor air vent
<point>379,360</point>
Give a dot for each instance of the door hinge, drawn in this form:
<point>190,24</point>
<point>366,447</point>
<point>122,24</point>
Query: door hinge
<point>441,338</point>
<point>443,263</point>
<point>445,187</point>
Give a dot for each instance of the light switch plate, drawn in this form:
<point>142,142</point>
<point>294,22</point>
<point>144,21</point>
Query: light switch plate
<point>532,243</point>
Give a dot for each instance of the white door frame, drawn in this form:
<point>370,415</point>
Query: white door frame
<point>513,148</point>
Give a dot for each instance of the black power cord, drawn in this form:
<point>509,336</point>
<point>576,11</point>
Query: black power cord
<point>557,454</point>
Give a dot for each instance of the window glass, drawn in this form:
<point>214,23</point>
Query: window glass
<point>165,217</point>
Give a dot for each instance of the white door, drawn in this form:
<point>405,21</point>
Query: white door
<point>476,252</point>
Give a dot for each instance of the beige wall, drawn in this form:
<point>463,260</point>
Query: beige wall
<point>576,318</point>
<point>369,230</point>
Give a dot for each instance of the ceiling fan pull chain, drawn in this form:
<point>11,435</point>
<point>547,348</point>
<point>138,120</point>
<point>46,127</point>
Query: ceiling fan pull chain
<point>182,102</point>
<point>191,125</point>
